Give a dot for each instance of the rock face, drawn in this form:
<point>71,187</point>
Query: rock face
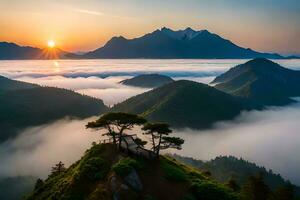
<point>133,180</point>
<point>148,81</point>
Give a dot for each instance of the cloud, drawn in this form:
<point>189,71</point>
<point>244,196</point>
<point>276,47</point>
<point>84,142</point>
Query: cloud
<point>37,149</point>
<point>111,96</point>
<point>108,89</point>
<point>269,138</point>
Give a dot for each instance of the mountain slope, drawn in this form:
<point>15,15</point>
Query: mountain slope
<point>184,104</point>
<point>12,51</point>
<point>262,80</point>
<point>166,43</point>
<point>148,80</point>
<point>224,168</point>
<point>106,173</point>
<point>23,105</point>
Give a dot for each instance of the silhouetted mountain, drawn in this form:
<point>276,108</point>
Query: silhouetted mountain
<point>23,105</point>
<point>184,104</point>
<point>261,80</point>
<point>224,168</point>
<point>12,51</point>
<point>166,43</point>
<point>148,80</point>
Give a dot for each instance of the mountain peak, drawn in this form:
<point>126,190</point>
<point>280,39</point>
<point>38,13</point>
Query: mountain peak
<point>190,99</point>
<point>262,80</point>
<point>185,34</point>
<point>168,43</point>
<point>148,80</point>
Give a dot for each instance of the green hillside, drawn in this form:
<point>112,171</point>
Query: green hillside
<point>185,104</point>
<point>10,85</point>
<point>224,168</point>
<point>23,105</point>
<point>261,80</point>
<point>105,173</point>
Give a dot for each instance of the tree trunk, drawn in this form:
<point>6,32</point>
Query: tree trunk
<point>153,142</point>
<point>158,146</point>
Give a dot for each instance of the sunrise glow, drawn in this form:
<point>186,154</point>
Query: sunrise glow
<point>51,44</point>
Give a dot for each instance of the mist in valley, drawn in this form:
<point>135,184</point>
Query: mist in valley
<point>269,138</point>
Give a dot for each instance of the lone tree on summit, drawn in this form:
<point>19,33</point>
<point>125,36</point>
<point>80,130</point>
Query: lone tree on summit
<point>159,138</point>
<point>116,124</point>
<point>58,168</point>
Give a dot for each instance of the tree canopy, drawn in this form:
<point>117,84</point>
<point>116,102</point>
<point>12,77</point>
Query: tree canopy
<point>159,138</point>
<point>116,124</point>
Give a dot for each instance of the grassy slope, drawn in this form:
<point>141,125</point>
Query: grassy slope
<point>162,179</point>
<point>184,104</point>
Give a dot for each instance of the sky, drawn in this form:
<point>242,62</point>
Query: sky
<point>76,25</point>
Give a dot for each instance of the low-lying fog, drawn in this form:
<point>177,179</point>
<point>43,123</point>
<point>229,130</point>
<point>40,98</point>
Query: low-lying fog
<point>100,78</point>
<point>270,138</point>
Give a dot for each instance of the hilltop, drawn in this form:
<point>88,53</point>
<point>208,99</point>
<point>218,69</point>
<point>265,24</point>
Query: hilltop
<point>105,173</point>
<point>262,80</point>
<point>185,104</point>
<point>23,105</point>
<point>147,80</point>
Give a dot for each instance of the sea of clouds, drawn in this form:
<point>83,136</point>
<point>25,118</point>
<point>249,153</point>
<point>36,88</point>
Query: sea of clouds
<point>270,138</point>
<point>100,78</point>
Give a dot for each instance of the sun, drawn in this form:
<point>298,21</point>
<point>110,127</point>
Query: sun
<point>51,44</point>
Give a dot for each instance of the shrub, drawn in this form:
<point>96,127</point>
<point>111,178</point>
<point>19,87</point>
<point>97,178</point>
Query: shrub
<point>173,172</point>
<point>125,166</point>
<point>210,191</point>
<point>94,168</point>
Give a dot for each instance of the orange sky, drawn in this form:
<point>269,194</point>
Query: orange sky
<point>85,25</point>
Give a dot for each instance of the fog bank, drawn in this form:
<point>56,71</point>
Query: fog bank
<point>35,150</point>
<point>270,138</point>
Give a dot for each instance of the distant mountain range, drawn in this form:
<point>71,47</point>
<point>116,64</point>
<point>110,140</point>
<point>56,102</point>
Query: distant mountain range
<point>163,43</point>
<point>262,80</point>
<point>184,104</point>
<point>23,105</point>
<point>12,51</point>
<point>147,80</point>
<point>166,43</point>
